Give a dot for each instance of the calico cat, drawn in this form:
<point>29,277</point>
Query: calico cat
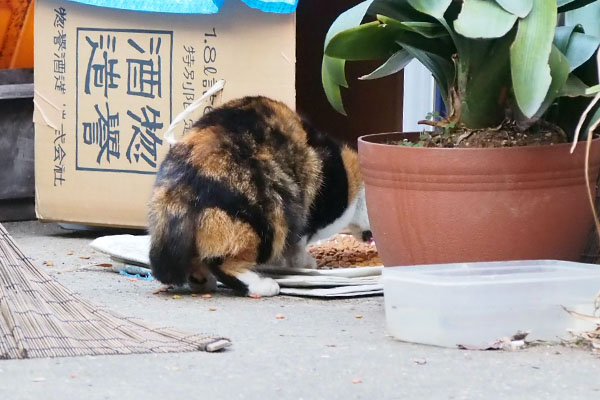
<point>252,184</point>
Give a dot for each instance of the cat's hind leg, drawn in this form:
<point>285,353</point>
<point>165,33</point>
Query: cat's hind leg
<point>230,248</point>
<point>238,275</point>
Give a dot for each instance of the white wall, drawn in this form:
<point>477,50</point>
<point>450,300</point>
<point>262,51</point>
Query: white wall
<point>419,96</point>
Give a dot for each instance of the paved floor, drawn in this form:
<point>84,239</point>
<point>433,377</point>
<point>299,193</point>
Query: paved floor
<point>318,351</point>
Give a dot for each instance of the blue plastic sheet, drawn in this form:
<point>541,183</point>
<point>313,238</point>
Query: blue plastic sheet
<point>141,273</point>
<point>274,6</point>
<point>191,6</point>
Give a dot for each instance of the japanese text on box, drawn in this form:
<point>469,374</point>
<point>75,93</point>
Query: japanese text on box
<point>208,55</point>
<point>123,98</point>
<point>59,69</point>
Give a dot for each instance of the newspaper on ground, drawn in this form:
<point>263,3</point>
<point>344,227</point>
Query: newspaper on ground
<point>130,254</point>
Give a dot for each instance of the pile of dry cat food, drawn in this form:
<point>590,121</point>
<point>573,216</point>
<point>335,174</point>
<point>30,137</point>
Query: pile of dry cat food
<point>344,251</point>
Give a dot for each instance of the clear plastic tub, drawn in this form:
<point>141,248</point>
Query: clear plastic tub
<point>477,303</point>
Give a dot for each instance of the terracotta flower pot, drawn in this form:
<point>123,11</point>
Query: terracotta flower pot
<point>432,205</point>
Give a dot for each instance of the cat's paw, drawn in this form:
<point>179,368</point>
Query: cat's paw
<point>204,284</point>
<point>265,287</point>
<point>258,285</point>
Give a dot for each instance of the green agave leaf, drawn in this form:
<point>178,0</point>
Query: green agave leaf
<point>406,34</point>
<point>529,56</point>
<point>332,77</point>
<point>568,5</point>
<point>574,87</point>
<point>588,71</point>
<point>483,81</point>
<point>483,19</point>
<point>348,19</point>
<point>441,69</point>
<point>435,8</point>
<point>559,71</point>
<point>428,29</point>
<point>575,44</point>
<point>562,35</point>
<point>458,42</point>
<point>333,70</point>
<point>581,47</point>
<point>394,64</point>
<point>400,10</point>
<point>593,90</point>
<point>520,8</point>
<point>595,117</point>
<point>368,41</point>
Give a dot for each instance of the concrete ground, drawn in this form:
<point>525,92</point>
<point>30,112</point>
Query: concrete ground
<point>319,351</point>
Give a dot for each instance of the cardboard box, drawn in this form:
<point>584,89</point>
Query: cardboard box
<point>108,83</point>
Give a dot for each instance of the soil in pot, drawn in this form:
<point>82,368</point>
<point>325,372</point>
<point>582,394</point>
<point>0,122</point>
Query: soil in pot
<point>505,135</point>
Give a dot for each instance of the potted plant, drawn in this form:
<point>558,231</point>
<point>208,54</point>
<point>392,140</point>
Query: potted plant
<point>496,179</point>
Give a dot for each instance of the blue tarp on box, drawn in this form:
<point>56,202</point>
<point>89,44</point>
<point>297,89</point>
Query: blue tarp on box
<point>191,6</point>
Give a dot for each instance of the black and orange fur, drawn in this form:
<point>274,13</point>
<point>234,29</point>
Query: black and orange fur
<point>251,184</point>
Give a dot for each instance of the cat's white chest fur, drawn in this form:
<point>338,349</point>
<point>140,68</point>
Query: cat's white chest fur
<point>336,226</point>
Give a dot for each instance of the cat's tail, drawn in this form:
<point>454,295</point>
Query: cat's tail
<point>172,247</point>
